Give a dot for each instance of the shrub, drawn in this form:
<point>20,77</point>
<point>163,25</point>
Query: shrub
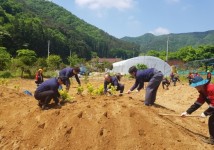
<point>5,74</point>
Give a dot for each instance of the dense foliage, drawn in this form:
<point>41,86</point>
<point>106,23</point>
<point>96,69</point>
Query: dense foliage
<point>175,41</point>
<point>186,54</point>
<point>30,24</point>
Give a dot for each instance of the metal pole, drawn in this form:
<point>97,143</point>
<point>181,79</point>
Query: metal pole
<point>70,57</point>
<point>48,48</point>
<point>167,43</point>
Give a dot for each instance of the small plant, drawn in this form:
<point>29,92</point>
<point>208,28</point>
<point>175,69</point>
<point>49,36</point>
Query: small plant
<point>90,88</point>
<point>65,96</point>
<point>80,90</point>
<point>17,87</point>
<point>4,82</point>
<point>99,90</point>
<point>112,88</point>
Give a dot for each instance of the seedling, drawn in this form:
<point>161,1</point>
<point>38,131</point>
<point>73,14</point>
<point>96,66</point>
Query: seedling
<point>80,90</point>
<point>65,96</point>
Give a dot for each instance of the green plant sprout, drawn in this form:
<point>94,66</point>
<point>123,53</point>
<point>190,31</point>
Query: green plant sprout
<point>80,90</point>
<point>90,88</point>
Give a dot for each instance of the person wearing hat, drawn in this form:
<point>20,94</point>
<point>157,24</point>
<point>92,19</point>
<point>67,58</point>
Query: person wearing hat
<point>113,81</point>
<point>70,72</point>
<point>39,77</point>
<point>152,76</point>
<point>209,75</point>
<point>206,94</point>
<point>49,90</point>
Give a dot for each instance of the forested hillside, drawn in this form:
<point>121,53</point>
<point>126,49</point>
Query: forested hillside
<point>30,24</point>
<point>175,41</point>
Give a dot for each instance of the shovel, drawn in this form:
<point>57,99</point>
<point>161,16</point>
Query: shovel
<point>176,115</point>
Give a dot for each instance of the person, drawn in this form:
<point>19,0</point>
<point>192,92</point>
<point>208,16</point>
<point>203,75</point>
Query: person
<point>118,76</point>
<point>209,76</point>
<point>175,79</point>
<point>112,81</point>
<point>70,72</point>
<point>196,74</point>
<point>165,82</point>
<point>39,77</point>
<point>206,94</point>
<point>49,90</point>
<point>152,76</point>
<point>190,77</point>
<point>172,75</point>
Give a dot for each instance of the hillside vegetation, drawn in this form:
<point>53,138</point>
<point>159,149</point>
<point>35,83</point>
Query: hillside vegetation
<point>175,41</point>
<point>30,24</point>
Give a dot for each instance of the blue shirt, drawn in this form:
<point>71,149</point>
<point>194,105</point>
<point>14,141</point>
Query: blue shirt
<point>113,82</point>
<point>68,72</point>
<point>141,77</point>
<point>50,84</point>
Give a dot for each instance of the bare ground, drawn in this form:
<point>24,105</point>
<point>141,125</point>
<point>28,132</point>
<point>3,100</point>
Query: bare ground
<point>101,122</point>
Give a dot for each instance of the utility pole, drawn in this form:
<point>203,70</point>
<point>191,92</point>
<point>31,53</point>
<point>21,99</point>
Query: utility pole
<point>70,57</point>
<point>133,52</point>
<point>167,48</point>
<point>48,48</point>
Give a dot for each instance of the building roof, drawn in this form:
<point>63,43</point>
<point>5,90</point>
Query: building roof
<point>110,60</point>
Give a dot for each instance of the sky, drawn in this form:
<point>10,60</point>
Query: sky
<point>134,18</point>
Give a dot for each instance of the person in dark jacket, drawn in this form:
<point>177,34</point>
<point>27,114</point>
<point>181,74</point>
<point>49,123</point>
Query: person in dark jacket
<point>152,76</point>
<point>70,72</point>
<point>112,81</point>
<point>49,90</point>
<point>206,94</point>
<point>165,82</point>
<point>39,77</point>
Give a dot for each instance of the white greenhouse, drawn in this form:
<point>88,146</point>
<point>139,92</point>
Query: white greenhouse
<point>150,61</point>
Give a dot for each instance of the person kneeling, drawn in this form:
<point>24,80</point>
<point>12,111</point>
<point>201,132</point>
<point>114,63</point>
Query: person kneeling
<point>49,90</point>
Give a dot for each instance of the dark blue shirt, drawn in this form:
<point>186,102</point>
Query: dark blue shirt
<point>141,77</point>
<point>50,84</point>
<point>68,72</point>
<point>113,82</point>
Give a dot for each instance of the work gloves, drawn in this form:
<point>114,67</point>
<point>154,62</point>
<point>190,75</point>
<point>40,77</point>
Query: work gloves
<point>185,114</point>
<point>203,115</point>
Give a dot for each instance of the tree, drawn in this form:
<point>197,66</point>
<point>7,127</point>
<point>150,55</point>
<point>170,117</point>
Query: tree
<point>26,58</point>
<point>141,66</point>
<point>54,62</point>
<point>4,58</point>
<point>74,59</point>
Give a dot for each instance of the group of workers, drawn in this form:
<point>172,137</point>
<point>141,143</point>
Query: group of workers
<point>48,90</point>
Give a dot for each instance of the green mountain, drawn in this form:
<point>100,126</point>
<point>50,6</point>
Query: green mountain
<point>32,23</point>
<point>175,41</point>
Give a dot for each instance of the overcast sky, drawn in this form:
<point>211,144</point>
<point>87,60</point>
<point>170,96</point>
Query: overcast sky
<point>136,17</point>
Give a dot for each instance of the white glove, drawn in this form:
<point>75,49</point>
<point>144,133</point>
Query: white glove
<point>184,114</point>
<point>203,115</point>
<point>109,90</point>
<point>128,91</point>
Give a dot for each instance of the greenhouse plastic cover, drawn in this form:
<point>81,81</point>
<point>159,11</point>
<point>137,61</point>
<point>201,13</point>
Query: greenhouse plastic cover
<point>150,61</point>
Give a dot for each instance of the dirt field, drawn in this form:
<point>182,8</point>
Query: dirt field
<point>100,122</point>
